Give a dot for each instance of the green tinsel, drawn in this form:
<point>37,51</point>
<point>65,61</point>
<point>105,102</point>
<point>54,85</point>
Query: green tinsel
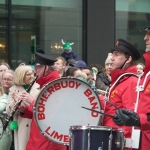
<point>13,125</point>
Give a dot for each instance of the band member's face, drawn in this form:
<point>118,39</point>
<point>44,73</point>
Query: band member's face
<point>39,70</point>
<point>147,40</point>
<point>118,59</point>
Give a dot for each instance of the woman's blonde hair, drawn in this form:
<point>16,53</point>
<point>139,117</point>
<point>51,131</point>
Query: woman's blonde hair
<point>20,74</point>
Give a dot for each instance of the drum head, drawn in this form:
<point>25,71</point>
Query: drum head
<point>58,107</point>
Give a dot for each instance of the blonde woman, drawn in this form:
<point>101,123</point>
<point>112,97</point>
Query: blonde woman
<point>23,78</point>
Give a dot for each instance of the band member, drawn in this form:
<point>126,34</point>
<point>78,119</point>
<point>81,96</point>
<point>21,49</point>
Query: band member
<point>142,117</point>
<point>46,73</point>
<point>123,59</point>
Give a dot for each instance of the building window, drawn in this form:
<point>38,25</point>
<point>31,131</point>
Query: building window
<point>130,18</point>
<point>42,24</point>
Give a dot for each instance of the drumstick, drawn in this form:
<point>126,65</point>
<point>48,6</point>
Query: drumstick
<point>112,104</point>
<point>97,112</point>
<point>119,108</point>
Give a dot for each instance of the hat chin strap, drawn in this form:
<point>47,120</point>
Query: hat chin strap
<point>44,70</point>
<point>123,64</point>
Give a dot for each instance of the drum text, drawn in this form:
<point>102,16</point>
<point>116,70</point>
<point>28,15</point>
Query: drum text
<point>46,94</point>
<point>91,98</point>
<point>54,134</point>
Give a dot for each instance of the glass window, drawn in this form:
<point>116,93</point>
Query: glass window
<point>3,31</point>
<point>130,18</point>
<point>39,24</point>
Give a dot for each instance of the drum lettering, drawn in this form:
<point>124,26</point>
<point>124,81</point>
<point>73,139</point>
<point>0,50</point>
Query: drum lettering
<point>48,130</point>
<point>41,109</point>
<point>64,86</point>
<point>71,84</point>
<point>45,95</point>
<point>57,136</point>
<point>91,99</point>
<point>50,90</point>
<point>88,92</point>
<point>41,116</point>
<point>42,101</point>
<point>77,84</point>
<point>94,114</point>
<point>94,106</point>
<point>57,86</point>
<point>52,133</point>
<point>66,138</point>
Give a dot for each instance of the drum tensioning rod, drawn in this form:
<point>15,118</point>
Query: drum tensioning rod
<point>98,112</point>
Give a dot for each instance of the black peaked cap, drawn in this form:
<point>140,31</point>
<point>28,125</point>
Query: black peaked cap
<point>126,47</point>
<point>43,59</point>
<point>148,23</point>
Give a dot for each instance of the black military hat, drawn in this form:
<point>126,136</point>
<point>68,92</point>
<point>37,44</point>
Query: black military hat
<point>148,24</point>
<point>43,59</point>
<point>126,47</point>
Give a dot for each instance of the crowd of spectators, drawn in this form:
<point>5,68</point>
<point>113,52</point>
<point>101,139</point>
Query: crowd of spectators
<point>13,85</point>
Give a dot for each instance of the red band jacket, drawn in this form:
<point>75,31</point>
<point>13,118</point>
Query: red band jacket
<point>123,95</point>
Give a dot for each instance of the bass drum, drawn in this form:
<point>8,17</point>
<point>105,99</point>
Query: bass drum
<point>58,107</point>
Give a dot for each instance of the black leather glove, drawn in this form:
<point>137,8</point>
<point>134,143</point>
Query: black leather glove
<point>117,120</point>
<point>126,117</point>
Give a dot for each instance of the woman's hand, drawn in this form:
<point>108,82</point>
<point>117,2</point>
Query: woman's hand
<point>15,96</point>
<point>24,96</point>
